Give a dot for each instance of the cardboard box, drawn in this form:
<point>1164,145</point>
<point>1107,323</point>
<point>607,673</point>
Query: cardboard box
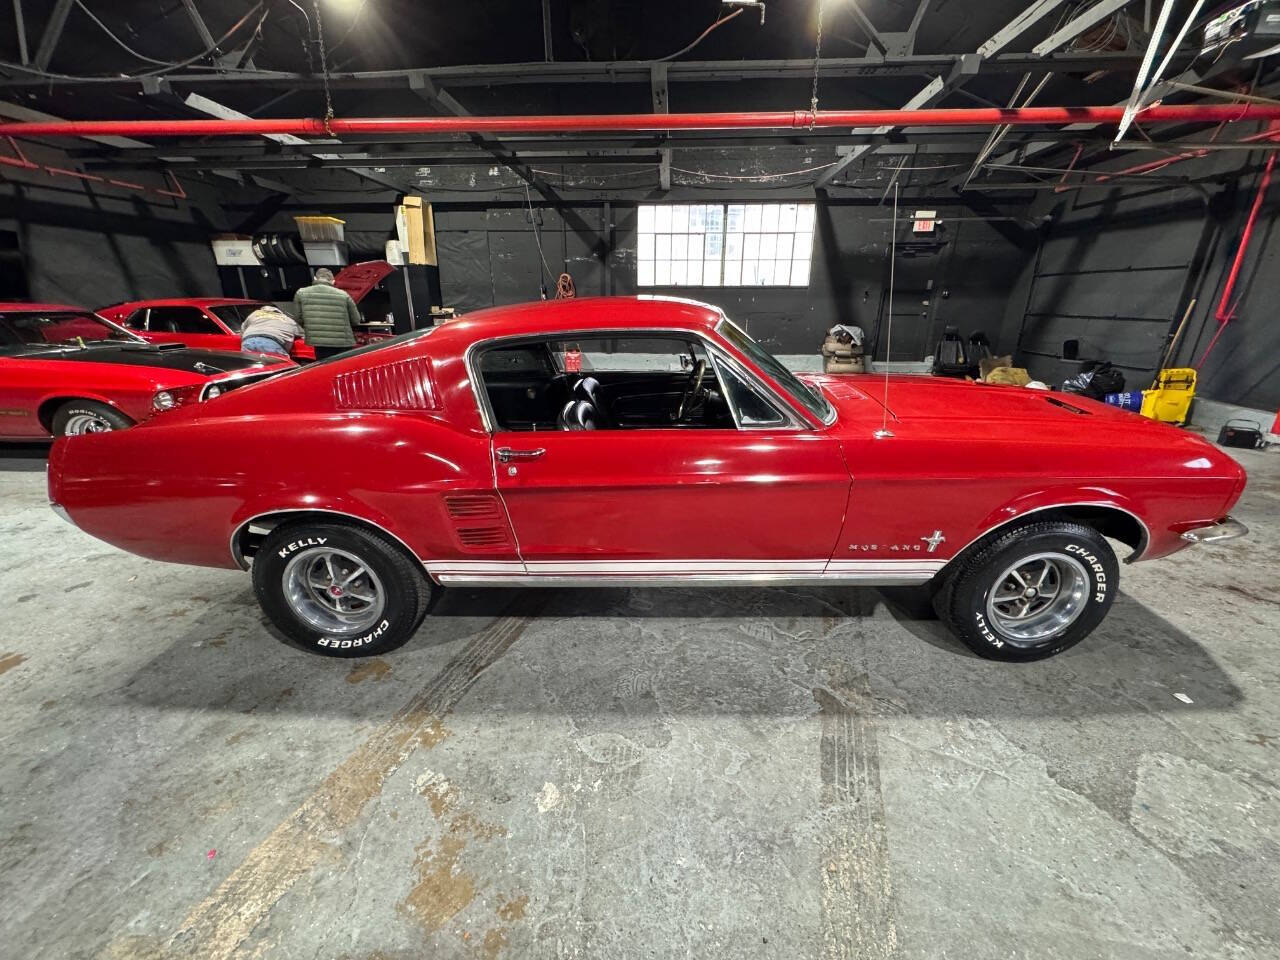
<point>416,231</point>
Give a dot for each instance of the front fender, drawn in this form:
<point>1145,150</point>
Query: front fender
<point>1063,497</point>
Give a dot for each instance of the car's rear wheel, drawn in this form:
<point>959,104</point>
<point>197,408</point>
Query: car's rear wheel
<point>1030,592</point>
<point>78,417</point>
<point>340,589</point>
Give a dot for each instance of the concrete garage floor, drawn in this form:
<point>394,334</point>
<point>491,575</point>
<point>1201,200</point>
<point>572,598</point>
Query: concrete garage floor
<point>632,773</point>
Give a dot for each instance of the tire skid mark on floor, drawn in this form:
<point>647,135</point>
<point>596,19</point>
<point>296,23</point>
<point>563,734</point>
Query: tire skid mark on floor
<point>217,927</point>
<point>857,904</point>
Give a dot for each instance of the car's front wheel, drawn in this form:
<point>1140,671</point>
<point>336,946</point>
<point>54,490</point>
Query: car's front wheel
<point>1032,591</point>
<point>340,590</point>
<point>78,417</point>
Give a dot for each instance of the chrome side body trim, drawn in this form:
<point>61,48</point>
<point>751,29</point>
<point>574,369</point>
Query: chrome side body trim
<point>695,580</point>
<point>256,520</point>
<point>676,573</point>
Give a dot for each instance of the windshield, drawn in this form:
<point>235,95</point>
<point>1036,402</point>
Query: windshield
<point>808,397</point>
<point>55,328</point>
<point>234,314</point>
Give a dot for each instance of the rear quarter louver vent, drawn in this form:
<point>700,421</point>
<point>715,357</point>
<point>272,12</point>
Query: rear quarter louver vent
<point>403,385</point>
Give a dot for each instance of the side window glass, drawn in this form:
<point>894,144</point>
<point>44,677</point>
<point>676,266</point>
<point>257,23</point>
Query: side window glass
<point>624,355</point>
<point>753,411</point>
<point>181,320</point>
<point>530,359</point>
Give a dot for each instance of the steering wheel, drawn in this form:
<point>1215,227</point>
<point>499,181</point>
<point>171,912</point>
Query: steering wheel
<point>695,387</point>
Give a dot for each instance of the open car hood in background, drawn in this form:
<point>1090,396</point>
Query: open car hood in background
<point>359,278</point>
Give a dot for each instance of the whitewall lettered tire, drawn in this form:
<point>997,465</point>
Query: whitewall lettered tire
<point>340,589</point>
<point>1032,591</point>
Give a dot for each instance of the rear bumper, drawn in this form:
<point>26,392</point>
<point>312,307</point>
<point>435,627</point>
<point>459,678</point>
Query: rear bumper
<point>1228,528</point>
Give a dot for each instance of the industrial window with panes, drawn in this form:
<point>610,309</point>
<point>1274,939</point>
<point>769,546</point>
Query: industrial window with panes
<point>724,245</point>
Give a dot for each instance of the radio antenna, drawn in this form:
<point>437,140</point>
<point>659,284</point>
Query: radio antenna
<point>884,430</point>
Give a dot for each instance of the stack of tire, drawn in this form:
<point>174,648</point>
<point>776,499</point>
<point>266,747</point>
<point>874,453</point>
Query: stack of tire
<point>279,249</point>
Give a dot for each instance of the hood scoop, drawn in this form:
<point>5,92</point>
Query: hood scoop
<point>151,347</point>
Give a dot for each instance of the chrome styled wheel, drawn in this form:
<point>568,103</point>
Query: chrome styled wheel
<point>333,590</point>
<point>1038,596</point>
<point>83,422</point>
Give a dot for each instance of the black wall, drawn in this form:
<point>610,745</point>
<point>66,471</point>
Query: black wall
<point>491,256</point>
<point>90,245</point>
<point>1117,267</point>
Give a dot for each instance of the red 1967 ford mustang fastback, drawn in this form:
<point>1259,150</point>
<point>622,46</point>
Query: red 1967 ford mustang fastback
<point>643,441</point>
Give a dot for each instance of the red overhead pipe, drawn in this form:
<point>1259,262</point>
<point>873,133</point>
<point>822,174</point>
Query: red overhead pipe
<point>645,122</point>
<point>1226,311</point>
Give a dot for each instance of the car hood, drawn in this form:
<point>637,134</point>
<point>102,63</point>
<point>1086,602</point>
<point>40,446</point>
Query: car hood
<point>204,363</point>
<point>1063,433</point>
<point>911,398</point>
<point>939,406</point>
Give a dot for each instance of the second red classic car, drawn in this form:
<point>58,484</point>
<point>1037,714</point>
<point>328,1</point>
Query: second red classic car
<point>64,370</point>
<point>213,323</point>
<point>206,323</point>
<point>643,441</point>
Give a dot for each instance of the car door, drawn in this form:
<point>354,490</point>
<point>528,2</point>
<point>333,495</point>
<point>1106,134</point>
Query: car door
<point>189,326</point>
<point>760,497</point>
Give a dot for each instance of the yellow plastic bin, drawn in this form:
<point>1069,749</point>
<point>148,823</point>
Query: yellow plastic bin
<point>1169,401</point>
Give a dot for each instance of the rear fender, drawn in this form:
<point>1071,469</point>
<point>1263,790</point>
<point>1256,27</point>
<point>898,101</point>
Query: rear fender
<point>264,513</point>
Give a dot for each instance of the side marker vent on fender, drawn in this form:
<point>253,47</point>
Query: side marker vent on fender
<point>403,385</point>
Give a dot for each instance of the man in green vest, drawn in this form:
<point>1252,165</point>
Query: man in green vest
<point>328,315</point>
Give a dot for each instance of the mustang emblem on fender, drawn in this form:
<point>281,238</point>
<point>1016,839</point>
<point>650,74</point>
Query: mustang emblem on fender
<point>934,539</point>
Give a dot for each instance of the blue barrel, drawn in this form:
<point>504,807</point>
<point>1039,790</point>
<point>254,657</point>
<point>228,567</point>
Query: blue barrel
<point>1130,400</point>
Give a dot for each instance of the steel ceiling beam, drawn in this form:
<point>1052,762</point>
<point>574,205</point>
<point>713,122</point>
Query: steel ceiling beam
<point>868,27</point>
<point>321,163</point>
<point>20,24</point>
<point>1192,74</point>
<point>548,53</point>
<point>939,87</point>
<point>599,147</point>
<point>225,114</point>
<point>202,28</point>
<point>427,90</point>
<point>538,73</point>
<point>1073,28</point>
<point>445,101</point>
<point>658,90</point>
<point>52,33</point>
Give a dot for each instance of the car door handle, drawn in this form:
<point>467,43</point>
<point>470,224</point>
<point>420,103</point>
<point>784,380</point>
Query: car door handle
<point>506,454</point>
